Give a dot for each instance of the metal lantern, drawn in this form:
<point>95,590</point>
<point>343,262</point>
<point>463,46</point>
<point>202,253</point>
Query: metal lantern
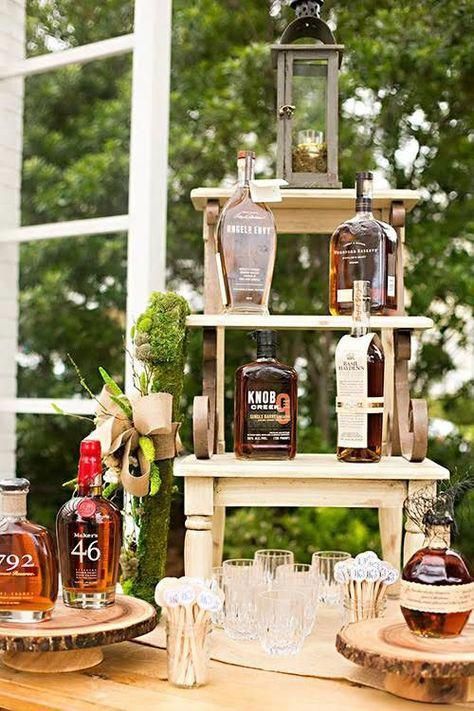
<point>307,99</point>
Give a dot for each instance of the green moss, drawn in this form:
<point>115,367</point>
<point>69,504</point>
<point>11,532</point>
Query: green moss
<point>160,341</point>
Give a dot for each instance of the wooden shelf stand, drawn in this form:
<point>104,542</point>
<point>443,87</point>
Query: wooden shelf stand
<point>212,484</point>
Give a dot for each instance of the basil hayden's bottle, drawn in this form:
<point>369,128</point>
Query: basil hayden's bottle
<point>266,403</point>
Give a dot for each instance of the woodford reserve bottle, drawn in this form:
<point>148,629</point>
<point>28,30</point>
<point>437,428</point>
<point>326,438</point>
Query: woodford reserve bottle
<point>359,376</point>
<point>89,533</point>
<point>246,246</point>
<point>437,590</point>
<point>266,404</point>
<point>28,564</point>
<point>363,249</point>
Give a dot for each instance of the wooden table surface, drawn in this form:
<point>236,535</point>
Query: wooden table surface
<point>132,677</point>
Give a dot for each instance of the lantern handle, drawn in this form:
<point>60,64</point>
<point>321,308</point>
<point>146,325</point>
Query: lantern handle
<point>307,27</point>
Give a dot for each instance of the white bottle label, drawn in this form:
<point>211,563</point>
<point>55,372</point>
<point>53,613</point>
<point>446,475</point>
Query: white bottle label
<point>390,286</point>
<point>344,296</point>
<point>352,383</point>
<point>437,598</point>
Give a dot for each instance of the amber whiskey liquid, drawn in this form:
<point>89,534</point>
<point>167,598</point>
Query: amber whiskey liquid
<point>246,246</point>
<point>437,592</point>
<point>28,564</point>
<point>360,386</point>
<point>89,532</point>
<point>363,249</point>
<point>266,404</point>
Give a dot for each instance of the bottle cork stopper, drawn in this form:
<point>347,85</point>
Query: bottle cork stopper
<point>13,494</point>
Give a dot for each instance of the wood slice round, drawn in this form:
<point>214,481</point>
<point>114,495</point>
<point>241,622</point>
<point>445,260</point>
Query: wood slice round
<point>418,668</point>
<point>69,640</point>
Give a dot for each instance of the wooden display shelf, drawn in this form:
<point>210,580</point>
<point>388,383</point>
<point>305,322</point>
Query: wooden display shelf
<point>312,466</point>
<point>317,323</point>
<point>314,211</point>
<point>72,638</point>
<point>417,668</point>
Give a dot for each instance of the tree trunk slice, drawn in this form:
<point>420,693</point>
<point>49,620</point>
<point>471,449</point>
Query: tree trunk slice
<point>53,662</point>
<point>50,644</point>
<point>418,668</point>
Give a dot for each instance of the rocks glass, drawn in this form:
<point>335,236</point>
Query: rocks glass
<point>267,562</point>
<point>281,621</point>
<point>301,577</point>
<point>323,562</point>
<point>217,578</point>
<point>239,583</point>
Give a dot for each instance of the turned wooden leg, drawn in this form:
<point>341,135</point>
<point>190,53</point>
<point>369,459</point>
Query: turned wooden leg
<point>218,529</point>
<point>198,546</point>
<point>199,509</point>
<point>414,536</point>
<point>391,531</point>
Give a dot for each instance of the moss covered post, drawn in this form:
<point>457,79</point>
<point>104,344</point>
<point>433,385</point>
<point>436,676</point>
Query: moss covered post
<point>160,345</point>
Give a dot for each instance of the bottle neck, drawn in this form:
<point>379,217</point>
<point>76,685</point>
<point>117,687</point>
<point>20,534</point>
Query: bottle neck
<point>360,313</point>
<point>93,488</point>
<point>266,352</point>
<point>364,207</point>
<point>437,537</point>
<point>13,506</point>
<point>245,170</point>
<point>364,193</point>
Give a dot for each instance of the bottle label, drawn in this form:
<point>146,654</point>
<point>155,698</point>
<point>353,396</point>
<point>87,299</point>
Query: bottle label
<point>390,286</point>
<point>85,554</point>
<point>437,598</point>
<point>268,416</point>
<point>352,404</point>
<point>17,566</point>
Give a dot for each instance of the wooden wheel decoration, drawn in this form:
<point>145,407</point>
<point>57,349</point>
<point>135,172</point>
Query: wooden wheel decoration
<point>418,668</point>
<point>203,427</point>
<point>72,639</point>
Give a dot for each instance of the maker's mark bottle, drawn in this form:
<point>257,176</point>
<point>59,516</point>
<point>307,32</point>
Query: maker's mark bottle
<point>363,249</point>
<point>246,246</point>
<point>28,564</point>
<point>89,532</point>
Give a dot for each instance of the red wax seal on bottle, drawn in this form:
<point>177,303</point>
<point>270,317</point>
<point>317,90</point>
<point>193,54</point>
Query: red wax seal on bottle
<point>90,462</point>
<point>86,508</point>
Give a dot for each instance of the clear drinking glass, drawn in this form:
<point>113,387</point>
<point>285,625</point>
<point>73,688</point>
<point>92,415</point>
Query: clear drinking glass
<point>239,590</point>
<point>267,561</point>
<point>188,653</point>
<point>330,592</point>
<point>355,610</point>
<point>302,577</point>
<point>281,621</point>
<point>217,578</point>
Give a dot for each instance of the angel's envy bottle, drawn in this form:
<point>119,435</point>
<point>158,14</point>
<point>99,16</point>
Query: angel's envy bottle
<point>89,532</point>
<point>28,564</point>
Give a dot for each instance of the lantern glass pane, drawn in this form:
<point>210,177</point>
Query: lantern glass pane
<point>309,96</point>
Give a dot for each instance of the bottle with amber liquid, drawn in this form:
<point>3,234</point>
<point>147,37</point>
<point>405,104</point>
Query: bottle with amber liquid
<point>360,386</point>
<point>246,246</point>
<point>363,249</point>
<point>266,404</point>
<point>89,533</point>
<point>28,563</point>
<point>437,589</point>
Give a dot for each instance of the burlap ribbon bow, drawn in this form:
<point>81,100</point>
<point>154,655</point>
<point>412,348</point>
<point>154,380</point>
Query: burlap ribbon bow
<point>151,417</point>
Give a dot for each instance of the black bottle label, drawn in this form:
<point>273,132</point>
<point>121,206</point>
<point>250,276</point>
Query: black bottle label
<point>268,416</point>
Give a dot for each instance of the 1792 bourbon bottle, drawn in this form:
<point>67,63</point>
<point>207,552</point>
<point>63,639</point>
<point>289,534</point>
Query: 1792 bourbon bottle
<point>360,386</point>
<point>89,532</point>
<point>28,564</point>
<point>437,590</point>
<point>246,246</point>
<point>363,249</point>
<point>266,404</point>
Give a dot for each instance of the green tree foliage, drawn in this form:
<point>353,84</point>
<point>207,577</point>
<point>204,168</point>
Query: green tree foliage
<point>406,100</point>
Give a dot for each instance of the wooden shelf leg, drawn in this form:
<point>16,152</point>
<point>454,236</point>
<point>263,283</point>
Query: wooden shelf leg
<point>199,510</point>
<point>414,537</point>
<point>218,530</point>
<point>391,532</point>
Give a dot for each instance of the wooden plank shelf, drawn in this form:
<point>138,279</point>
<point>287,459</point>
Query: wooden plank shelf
<point>304,466</point>
<point>317,198</point>
<point>317,323</point>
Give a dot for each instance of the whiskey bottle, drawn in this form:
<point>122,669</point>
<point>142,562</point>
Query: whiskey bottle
<point>246,246</point>
<point>360,384</point>
<point>437,590</point>
<point>363,249</point>
<point>266,404</point>
<point>89,533</point>
<point>28,564</point>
